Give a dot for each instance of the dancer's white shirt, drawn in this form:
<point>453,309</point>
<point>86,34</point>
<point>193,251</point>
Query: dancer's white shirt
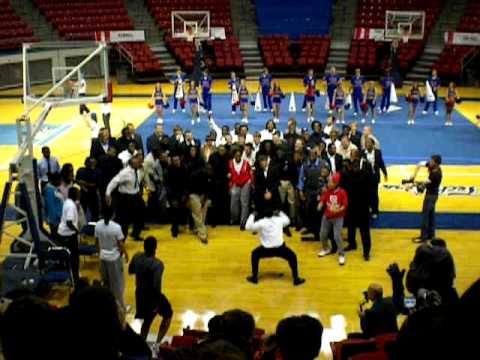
<point>269,229</point>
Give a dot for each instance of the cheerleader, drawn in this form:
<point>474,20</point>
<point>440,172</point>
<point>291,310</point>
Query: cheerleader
<point>369,102</point>
<point>331,79</point>
<point>178,81</point>
<point>159,101</point>
<point>310,96</point>
<point>386,82</point>
<point>264,85</point>
<point>358,81</point>
<point>193,101</point>
<point>206,83</point>
<point>234,85</point>
<point>339,101</point>
<point>276,94</point>
<point>452,97</point>
<point>308,81</point>
<point>434,82</point>
<point>413,98</point>
<point>243,97</point>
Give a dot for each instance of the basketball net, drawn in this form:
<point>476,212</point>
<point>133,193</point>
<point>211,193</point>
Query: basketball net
<point>190,35</point>
<point>405,36</point>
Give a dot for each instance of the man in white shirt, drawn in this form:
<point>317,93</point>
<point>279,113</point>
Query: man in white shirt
<point>68,230</point>
<point>270,230</point>
<point>46,166</point>
<point>82,92</point>
<point>110,240</point>
<point>346,147</point>
<point>130,206</point>
<point>128,153</point>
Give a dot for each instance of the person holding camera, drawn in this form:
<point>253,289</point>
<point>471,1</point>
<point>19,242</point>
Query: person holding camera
<point>381,317</point>
<point>432,186</point>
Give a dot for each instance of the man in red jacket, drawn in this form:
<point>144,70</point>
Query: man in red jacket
<point>336,202</point>
<point>240,175</point>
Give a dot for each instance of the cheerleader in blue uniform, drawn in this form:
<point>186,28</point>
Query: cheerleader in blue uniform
<point>193,101</point>
<point>331,79</point>
<point>159,101</point>
<point>264,85</point>
<point>450,100</point>
<point>339,96</point>
<point>243,97</point>
<point>413,98</point>
<point>234,85</point>
<point>276,95</point>
<point>369,102</point>
<point>206,83</point>
<point>358,81</point>
<point>386,82</point>
<point>310,90</point>
<point>178,81</point>
<point>434,82</point>
<point>309,81</point>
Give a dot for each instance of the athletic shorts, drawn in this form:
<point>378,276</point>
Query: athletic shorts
<point>149,306</point>
<point>159,103</point>
<point>371,104</point>
<point>310,99</point>
<point>339,103</point>
<point>243,101</point>
<point>193,102</point>
<point>277,101</point>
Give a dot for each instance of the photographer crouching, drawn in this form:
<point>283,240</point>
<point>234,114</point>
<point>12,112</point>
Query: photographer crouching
<point>431,187</point>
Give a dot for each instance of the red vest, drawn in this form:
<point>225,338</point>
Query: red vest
<point>239,179</point>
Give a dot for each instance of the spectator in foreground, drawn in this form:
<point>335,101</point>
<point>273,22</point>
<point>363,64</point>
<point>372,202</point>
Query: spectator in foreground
<point>299,337</point>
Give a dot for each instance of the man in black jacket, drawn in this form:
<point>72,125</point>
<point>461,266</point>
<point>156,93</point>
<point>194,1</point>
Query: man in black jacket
<point>317,133</point>
<point>373,158</point>
<point>137,138</point>
<point>176,184</point>
<point>101,145</point>
<point>218,167</point>
<point>334,160</point>
<point>381,318</point>
<point>267,181</point>
<point>198,201</point>
<point>158,139</point>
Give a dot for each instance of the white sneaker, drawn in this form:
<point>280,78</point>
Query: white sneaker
<point>363,121</point>
<point>436,113</point>
<point>413,122</point>
<point>198,119</point>
<point>245,120</point>
<point>183,110</point>
<point>233,112</point>
<point>210,112</point>
<point>409,122</point>
<point>330,112</point>
<point>341,260</point>
<point>276,120</point>
<point>424,112</point>
<point>324,252</point>
<point>355,114</point>
<point>303,110</point>
<point>193,122</point>
<point>373,121</point>
<point>342,121</point>
<point>173,111</point>
<point>271,110</point>
<point>265,110</point>
<point>160,121</point>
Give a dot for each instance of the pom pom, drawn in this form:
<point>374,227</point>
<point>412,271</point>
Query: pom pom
<point>364,106</point>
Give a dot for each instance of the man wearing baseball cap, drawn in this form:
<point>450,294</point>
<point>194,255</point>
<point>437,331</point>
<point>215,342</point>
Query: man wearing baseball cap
<point>335,201</point>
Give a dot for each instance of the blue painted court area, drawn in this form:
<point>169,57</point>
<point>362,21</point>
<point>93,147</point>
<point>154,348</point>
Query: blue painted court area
<point>8,134</point>
<point>401,144</point>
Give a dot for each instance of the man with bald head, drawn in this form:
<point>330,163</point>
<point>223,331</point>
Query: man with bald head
<point>381,317</point>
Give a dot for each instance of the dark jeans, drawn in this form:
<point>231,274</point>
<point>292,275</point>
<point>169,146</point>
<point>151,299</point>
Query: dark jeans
<point>130,210</point>
<point>358,218</point>
<point>178,213</point>
<point>311,214</point>
<point>373,196</point>
<point>280,252</point>
<point>91,201</point>
<point>71,243</point>
<point>428,217</point>
<point>106,122</point>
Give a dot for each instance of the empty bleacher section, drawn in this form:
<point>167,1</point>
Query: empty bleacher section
<point>13,30</point>
<point>313,52</point>
<point>275,52</point>
<point>371,15</point>
<point>225,54</point>
<point>470,22</point>
<point>80,19</point>
<point>282,17</point>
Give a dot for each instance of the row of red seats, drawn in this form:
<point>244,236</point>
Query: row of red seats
<point>13,30</point>
<point>314,51</point>
<point>142,57</point>
<point>450,61</point>
<point>227,54</point>
<point>375,348</point>
<point>470,21</point>
<point>363,55</point>
<point>275,52</point>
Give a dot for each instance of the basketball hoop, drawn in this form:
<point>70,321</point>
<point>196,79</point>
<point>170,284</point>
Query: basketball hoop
<point>189,34</point>
<point>405,36</point>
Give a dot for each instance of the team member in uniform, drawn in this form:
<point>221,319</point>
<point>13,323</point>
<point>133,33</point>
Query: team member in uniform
<point>339,95</point>
<point>193,101</point>
<point>206,83</point>
<point>158,98</point>
<point>369,102</point>
<point>82,92</point>
<point>331,80</point>
<point>149,298</point>
<point>386,82</point>
<point>276,95</point>
<point>358,81</point>
<point>309,79</point>
<point>413,98</point>
<point>452,97</point>
<point>243,96</point>
<point>265,81</point>
<point>434,82</point>
<point>178,81</point>
<point>309,82</point>
<point>234,85</point>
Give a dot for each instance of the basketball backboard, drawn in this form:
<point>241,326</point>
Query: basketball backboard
<point>190,25</point>
<point>404,25</point>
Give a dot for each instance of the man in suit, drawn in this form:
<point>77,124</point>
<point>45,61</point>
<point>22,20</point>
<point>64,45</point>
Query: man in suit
<point>158,139</point>
<point>267,181</point>
<point>381,318</point>
<point>334,160</point>
<point>373,159</point>
<point>189,141</point>
<point>137,138</point>
<point>101,145</point>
